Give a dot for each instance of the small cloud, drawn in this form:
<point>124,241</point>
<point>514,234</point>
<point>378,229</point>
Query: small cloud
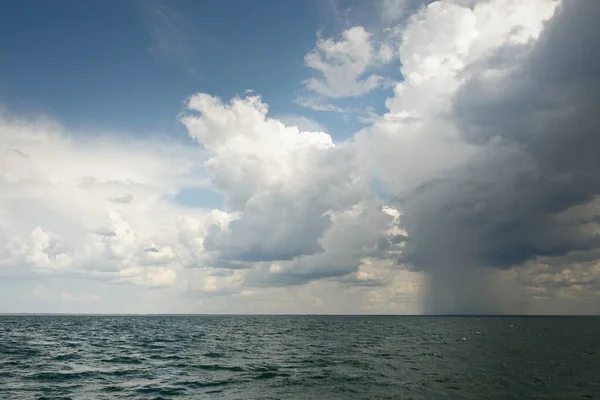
<point>369,116</point>
<point>302,123</point>
<point>395,10</point>
<point>175,38</point>
<point>343,64</point>
<point>125,199</point>
<point>168,29</point>
<point>365,115</point>
<point>318,105</point>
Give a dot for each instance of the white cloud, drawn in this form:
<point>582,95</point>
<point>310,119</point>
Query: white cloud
<point>59,214</point>
<point>296,203</point>
<point>302,123</point>
<point>318,105</point>
<point>343,64</point>
<point>282,181</point>
<point>394,10</point>
<point>443,38</point>
<point>417,138</point>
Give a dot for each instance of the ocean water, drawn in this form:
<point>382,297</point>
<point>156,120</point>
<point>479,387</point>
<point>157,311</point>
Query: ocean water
<point>299,357</point>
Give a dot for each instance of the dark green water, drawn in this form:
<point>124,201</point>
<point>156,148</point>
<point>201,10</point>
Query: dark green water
<point>290,357</point>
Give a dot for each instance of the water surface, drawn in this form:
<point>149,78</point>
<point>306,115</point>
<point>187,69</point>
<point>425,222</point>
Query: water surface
<point>299,357</point>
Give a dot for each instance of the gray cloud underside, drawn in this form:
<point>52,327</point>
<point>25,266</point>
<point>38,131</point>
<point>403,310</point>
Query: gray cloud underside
<point>543,160</point>
<point>524,197</point>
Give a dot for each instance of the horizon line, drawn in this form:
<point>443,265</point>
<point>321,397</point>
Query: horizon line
<point>287,315</point>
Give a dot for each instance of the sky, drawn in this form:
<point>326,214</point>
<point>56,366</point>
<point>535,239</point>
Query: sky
<point>309,157</point>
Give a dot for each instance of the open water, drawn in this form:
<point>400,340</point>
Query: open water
<point>299,357</point>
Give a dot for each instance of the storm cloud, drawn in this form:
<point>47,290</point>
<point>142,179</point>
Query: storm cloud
<point>536,127</point>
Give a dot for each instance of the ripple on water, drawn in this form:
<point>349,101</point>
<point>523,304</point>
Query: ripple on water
<point>213,354</point>
<point>61,376</point>
<point>166,357</point>
<point>212,367</point>
<point>270,375</point>
<point>161,390</point>
<point>123,360</point>
<point>200,384</point>
<point>67,357</point>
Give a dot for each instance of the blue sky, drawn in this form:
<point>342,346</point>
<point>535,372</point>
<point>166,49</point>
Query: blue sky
<point>129,65</point>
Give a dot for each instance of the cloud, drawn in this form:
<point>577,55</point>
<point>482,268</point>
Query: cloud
<point>365,115</point>
<point>418,137</point>
<point>519,95</point>
<point>355,234</point>
<point>280,180</point>
<point>104,231</point>
<point>175,38</point>
<point>297,208</point>
<point>168,29</point>
<point>318,105</point>
<point>126,198</point>
<point>63,209</point>
<point>344,62</point>
<point>302,123</point>
<point>396,10</point>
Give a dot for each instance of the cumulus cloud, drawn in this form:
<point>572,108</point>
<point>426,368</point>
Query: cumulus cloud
<point>520,95</point>
<point>297,207</point>
<point>344,63</point>
<point>63,208</point>
<point>281,182</point>
<point>363,231</point>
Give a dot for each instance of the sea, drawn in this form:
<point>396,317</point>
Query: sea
<point>299,357</point>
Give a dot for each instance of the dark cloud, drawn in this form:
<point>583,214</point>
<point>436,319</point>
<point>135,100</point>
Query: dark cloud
<point>351,238</point>
<point>539,128</point>
<point>368,283</point>
<point>258,238</point>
